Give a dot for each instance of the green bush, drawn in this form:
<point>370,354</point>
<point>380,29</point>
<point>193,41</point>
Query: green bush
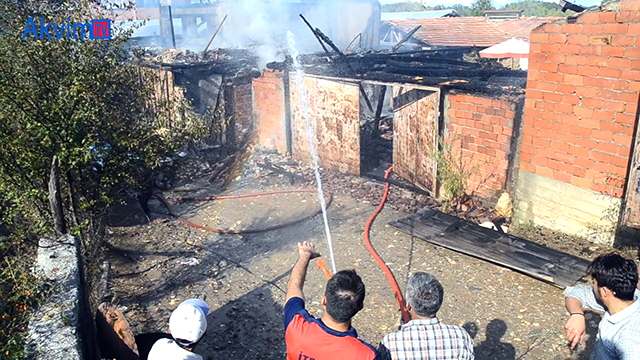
<point>88,103</point>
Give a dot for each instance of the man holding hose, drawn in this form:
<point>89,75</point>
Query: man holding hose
<point>331,336</point>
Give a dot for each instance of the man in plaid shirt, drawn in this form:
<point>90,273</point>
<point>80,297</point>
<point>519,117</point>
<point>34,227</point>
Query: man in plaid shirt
<point>424,337</point>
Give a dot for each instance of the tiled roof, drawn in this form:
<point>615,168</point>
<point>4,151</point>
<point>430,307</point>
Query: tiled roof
<point>458,31</point>
<point>521,28</point>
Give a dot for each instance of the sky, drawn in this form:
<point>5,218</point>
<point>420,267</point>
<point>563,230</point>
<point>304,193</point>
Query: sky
<point>495,2</point>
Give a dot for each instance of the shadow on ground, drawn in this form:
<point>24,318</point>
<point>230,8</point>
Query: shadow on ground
<point>492,348</point>
<point>250,327</point>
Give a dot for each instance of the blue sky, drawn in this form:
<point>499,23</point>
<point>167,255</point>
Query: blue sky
<point>495,2</point>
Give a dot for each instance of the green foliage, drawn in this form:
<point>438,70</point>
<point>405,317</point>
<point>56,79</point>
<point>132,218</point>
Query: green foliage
<point>462,10</point>
<point>478,7</point>
<point>20,292</point>
<point>86,102</point>
<point>538,8</point>
<point>452,174</point>
<point>403,7</point>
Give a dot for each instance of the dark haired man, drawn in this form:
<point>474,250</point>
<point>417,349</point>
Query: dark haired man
<point>425,337</point>
<point>331,336</point>
<point>615,281</point>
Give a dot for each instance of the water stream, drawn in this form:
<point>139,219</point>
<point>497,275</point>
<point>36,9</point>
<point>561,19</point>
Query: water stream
<point>312,146</point>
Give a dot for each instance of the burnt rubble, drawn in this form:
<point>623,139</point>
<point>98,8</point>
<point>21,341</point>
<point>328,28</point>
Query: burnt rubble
<point>230,62</point>
<point>445,68</point>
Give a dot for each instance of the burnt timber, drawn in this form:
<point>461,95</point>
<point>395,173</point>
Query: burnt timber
<point>535,260</point>
<point>444,68</point>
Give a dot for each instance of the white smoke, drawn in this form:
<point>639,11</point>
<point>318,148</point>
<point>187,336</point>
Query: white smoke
<point>262,25</point>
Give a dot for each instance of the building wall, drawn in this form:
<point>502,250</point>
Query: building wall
<point>269,110</point>
<point>334,115</point>
<point>243,109</point>
<point>579,118</point>
<point>482,131</point>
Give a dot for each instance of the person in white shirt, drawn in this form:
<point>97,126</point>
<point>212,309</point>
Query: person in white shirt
<point>187,326</point>
<point>614,291</point>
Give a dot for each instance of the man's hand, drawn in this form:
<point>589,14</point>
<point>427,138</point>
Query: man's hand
<point>307,250</point>
<point>575,329</point>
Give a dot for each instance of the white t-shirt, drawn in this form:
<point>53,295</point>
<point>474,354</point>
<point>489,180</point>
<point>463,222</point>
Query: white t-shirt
<point>167,349</point>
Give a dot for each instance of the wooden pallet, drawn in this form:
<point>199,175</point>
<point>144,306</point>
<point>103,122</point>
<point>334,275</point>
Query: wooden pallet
<point>535,260</point>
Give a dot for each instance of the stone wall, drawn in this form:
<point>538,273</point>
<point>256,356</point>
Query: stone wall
<point>62,328</point>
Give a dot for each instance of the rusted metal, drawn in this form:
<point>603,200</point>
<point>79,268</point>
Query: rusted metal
<point>415,135</point>
<point>334,112</point>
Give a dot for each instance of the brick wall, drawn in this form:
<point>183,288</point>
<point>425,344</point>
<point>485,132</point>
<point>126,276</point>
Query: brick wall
<point>482,128</point>
<point>243,109</point>
<point>582,100</point>
<point>268,105</point>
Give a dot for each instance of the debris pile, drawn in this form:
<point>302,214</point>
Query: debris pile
<point>269,169</point>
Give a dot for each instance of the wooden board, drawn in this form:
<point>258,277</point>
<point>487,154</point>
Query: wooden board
<point>334,113</point>
<point>632,208</point>
<point>415,135</point>
<point>509,251</point>
<point>115,338</point>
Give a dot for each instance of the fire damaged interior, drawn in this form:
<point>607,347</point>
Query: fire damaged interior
<point>400,100</point>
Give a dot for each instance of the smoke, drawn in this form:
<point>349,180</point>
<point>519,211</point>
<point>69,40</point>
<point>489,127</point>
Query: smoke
<point>262,25</point>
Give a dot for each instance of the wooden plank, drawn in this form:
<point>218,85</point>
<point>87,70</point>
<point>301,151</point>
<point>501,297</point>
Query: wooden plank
<point>507,250</point>
<point>415,135</point>
<point>632,202</point>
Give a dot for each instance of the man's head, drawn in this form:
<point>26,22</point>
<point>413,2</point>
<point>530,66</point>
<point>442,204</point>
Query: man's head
<point>188,322</point>
<point>424,294</point>
<point>344,296</point>
<point>614,276</point>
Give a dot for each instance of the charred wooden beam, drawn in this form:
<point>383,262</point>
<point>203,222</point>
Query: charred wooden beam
<point>215,33</point>
<point>405,39</point>
<point>315,34</point>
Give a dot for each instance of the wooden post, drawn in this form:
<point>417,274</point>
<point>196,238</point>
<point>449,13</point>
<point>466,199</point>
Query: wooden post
<point>55,198</point>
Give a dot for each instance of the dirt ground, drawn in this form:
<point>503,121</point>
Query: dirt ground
<point>243,278</point>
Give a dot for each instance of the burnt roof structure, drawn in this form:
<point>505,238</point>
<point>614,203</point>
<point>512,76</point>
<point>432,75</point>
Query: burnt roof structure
<point>446,69</point>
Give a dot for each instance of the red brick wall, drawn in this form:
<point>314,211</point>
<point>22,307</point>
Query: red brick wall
<point>482,128</point>
<point>268,105</point>
<point>582,100</point>
<point>243,109</point>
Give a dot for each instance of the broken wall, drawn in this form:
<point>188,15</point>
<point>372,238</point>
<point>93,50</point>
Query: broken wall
<point>579,119</point>
<point>483,132</point>
<point>269,110</point>
<point>334,112</point>
<point>416,113</point>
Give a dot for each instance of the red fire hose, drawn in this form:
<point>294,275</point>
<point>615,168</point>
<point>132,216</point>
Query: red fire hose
<point>367,240</point>
<point>378,259</point>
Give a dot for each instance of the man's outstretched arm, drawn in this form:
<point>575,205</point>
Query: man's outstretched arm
<point>306,252</point>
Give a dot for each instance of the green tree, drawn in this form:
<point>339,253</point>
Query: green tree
<point>403,7</point>
<point>538,8</point>
<point>480,6</point>
<point>84,101</point>
<point>462,10</point>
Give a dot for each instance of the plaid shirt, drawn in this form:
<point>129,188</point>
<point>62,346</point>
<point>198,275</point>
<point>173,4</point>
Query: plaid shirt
<point>427,339</point>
